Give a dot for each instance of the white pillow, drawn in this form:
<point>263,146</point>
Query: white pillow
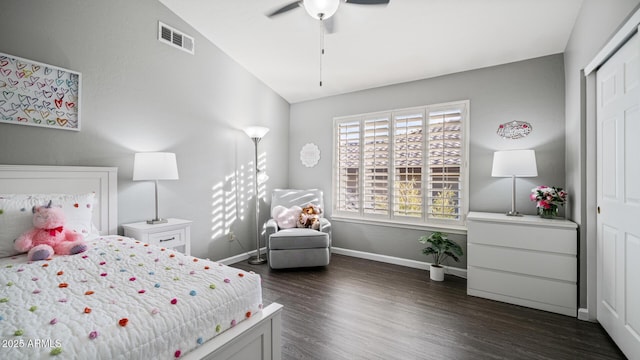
<point>16,216</point>
<point>286,217</point>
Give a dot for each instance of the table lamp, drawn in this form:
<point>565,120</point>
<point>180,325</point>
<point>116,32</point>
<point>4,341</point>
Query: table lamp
<point>514,163</point>
<point>155,166</point>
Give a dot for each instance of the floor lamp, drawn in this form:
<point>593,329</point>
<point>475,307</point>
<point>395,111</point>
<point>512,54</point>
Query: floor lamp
<point>256,133</point>
<point>514,163</point>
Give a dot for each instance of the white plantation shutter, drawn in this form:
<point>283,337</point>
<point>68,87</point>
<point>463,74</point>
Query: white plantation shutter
<point>407,166</point>
<point>445,161</point>
<point>348,166</point>
<point>375,152</point>
<point>408,163</point>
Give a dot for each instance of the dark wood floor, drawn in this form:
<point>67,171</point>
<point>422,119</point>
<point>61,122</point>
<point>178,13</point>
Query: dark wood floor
<point>361,309</point>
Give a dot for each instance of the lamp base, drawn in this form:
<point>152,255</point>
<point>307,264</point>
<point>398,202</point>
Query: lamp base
<point>157,221</point>
<point>513,213</point>
<point>257,260</point>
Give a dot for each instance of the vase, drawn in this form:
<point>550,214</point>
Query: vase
<point>549,213</point>
<point>436,272</point>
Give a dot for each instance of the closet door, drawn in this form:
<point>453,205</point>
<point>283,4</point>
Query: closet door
<point>618,196</point>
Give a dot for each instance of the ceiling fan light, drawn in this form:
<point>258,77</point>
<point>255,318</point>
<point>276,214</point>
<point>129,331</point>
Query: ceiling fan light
<point>324,8</point>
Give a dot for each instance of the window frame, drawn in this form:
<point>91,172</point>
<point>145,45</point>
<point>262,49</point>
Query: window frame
<point>389,219</point>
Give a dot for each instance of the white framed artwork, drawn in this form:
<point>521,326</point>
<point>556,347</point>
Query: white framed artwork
<point>37,94</point>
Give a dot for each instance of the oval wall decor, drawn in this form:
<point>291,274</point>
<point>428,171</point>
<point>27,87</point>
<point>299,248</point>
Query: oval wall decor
<point>514,129</point>
<point>310,155</point>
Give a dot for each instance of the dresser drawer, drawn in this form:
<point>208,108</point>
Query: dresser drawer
<point>168,239</point>
<point>540,293</point>
<point>535,263</point>
<point>524,236</point>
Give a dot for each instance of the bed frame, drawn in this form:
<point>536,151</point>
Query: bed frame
<point>255,338</point>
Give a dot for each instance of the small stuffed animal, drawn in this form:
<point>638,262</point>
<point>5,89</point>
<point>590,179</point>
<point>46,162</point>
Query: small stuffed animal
<point>49,235</point>
<point>310,217</point>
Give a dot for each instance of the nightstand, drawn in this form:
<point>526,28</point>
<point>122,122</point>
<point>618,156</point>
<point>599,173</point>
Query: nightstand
<point>174,234</point>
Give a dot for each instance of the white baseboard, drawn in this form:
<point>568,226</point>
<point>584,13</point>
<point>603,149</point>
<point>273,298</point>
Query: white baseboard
<point>397,261</point>
<point>583,314</point>
<point>362,255</point>
<point>241,257</point>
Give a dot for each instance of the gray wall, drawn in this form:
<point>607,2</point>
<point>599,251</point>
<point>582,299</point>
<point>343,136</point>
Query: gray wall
<point>142,95</point>
<point>596,23</point>
<point>531,90</point>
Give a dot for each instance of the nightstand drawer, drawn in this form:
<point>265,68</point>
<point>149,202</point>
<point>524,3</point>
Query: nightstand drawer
<point>168,239</point>
<point>174,234</point>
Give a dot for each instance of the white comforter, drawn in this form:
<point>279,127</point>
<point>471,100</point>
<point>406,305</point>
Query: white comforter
<point>120,299</point>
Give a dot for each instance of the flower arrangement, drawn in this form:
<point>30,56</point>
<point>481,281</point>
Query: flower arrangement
<point>548,199</point>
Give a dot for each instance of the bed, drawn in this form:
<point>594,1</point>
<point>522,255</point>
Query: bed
<point>121,298</point>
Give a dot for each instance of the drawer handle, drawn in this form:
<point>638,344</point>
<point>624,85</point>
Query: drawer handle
<point>163,240</point>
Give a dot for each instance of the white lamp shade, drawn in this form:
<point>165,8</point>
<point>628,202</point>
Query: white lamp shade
<point>520,163</point>
<point>256,131</point>
<point>325,7</point>
<point>155,166</point>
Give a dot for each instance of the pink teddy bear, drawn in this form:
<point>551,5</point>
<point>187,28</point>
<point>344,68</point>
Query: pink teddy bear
<point>49,235</point>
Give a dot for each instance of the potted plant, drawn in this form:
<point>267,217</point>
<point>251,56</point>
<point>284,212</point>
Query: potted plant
<point>440,248</point>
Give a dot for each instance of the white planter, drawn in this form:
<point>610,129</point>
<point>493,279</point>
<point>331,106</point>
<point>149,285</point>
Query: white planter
<point>436,273</point>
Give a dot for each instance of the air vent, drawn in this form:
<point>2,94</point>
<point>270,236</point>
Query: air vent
<point>173,37</point>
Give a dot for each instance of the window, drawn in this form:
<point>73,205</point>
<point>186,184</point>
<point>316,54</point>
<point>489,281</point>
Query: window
<point>406,166</point>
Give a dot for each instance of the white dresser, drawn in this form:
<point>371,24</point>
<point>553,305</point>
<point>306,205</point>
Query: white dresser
<point>528,261</point>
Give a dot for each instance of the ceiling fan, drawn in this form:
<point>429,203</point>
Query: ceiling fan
<point>323,9</point>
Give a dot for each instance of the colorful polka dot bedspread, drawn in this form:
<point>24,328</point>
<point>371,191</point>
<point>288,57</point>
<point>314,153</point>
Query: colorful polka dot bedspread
<point>121,299</point>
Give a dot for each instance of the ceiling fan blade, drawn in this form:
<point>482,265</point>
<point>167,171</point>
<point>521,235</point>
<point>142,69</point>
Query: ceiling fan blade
<point>367,2</point>
<point>286,8</point>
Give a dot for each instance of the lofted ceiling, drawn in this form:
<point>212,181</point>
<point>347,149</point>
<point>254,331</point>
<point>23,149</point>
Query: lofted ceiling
<point>373,46</point>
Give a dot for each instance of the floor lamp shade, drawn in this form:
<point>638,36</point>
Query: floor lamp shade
<point>514,163</point>
<point>155,166</point>
<point>256,131</point>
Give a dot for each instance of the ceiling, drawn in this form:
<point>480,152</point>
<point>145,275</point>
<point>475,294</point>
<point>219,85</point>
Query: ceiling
<point>379,45</point>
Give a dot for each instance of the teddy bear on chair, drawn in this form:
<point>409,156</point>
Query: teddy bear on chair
<point>310,217</point>
<point>49,235</point>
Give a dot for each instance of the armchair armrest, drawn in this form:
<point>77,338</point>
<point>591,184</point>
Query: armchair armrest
<point>325,226</point>
<point>271,227</point>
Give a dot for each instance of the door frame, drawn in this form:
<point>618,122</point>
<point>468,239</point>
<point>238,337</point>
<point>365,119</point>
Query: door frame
<point>588,102</point>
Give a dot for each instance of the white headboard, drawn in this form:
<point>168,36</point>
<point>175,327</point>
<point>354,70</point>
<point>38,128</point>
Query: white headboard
<point>35,179</point>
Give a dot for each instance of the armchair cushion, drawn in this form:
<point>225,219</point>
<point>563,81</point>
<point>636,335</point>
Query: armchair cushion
<point>298,238</point>
<point>291,197</point>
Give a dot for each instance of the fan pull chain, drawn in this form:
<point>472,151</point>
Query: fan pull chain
<point>321,46</point>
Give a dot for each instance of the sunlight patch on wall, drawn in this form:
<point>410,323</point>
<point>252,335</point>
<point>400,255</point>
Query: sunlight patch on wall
<point>232,199</point>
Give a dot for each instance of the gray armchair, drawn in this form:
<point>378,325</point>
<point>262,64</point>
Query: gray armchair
<point>297,247</point>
